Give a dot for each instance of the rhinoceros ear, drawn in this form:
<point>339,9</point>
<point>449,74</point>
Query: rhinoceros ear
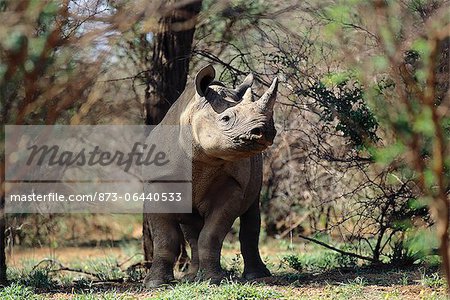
<point>203,79</point>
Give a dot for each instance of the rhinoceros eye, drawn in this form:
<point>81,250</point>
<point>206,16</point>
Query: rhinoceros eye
<point>225,118</point>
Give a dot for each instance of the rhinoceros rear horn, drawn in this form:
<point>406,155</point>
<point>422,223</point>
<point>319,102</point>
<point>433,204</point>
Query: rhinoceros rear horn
<point>203,79</point>
<point>242,88</point>
<point>267,101</point>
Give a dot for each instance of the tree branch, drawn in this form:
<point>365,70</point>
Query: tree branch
<point>61,267</point>
<point>339,250</point>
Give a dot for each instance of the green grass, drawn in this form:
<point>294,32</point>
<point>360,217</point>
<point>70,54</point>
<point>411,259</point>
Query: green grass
<point>433,280</point>
<point>17,291</point>
<point>357,288</point>
<point>43,276</point>
<point>299,274</point>
<point>32,277</point>
<point>229,290</point>
<point>318,261</point>
<point>353,289</point>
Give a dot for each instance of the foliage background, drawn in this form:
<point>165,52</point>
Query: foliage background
<point>363,113</point>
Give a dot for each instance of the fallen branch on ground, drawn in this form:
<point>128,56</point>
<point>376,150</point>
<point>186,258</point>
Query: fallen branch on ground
<point>339,250</point>
<point>61,267</point>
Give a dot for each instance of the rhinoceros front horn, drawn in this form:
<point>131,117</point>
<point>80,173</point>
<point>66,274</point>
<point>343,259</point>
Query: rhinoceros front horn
<point>267,101</point>
<point>203,79</point>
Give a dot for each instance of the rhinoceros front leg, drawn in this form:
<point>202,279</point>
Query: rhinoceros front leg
<point>249,238</point>
<point>210,242</point>
<point>167,237</point>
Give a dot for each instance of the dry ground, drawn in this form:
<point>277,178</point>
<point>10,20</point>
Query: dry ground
<point>287,283</point>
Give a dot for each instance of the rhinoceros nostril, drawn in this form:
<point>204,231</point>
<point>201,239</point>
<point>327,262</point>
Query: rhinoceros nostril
<point>257,131</point>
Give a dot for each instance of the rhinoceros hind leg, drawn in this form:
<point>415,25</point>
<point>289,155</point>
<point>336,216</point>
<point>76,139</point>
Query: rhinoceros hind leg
<point>249,237</point>
<point>167,238</point>
<point>191,234</point>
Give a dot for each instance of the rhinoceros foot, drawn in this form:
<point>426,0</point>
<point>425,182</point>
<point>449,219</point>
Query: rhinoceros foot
<point>213,277</point>
<point>256,273</point>
<point>151,283</point>
<point>189,277</point>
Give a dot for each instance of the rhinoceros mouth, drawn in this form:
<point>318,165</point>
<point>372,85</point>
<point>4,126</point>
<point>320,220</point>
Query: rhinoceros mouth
<point>252,142</point>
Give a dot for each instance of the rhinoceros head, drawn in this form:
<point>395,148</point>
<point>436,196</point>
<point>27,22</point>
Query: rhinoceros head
<point>229,123</point>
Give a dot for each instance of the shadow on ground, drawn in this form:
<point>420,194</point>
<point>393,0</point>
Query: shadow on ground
<point>382,276</point>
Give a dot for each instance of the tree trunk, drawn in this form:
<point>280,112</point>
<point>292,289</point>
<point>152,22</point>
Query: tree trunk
<point>166,80</point>
<point>172,48</point>
<point>2,228</point>
<point>2,246</point>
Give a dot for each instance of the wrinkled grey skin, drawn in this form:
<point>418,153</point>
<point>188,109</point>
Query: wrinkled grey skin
<point>230,130</point>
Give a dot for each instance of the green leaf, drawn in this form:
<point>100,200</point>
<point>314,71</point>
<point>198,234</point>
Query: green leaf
<point>36,45</point>
<point>331,29</point>
<point>421,46</point>
<point>380,62</point>
<point>339,13</point>
<point>333,79</point>
<point>388,38</point>
<point>387,154</point>
<point>422,241</point>
<point>29,65</point>
<point>424,122</point>
<point>15,41</point>
<point>51,8</point>
<point>3,69</point>
<point>430,178</point>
